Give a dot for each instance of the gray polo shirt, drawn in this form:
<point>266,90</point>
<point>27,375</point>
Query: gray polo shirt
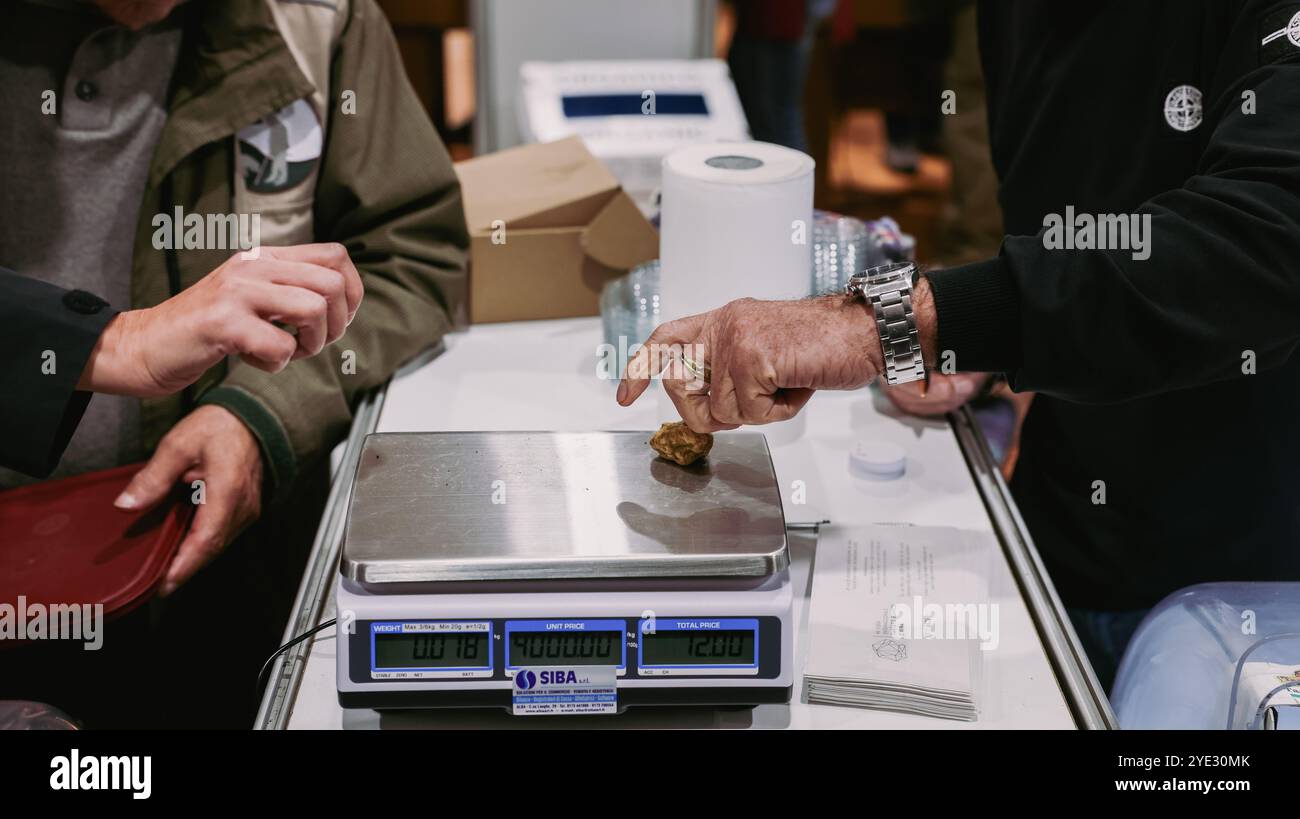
<point>71,181</point>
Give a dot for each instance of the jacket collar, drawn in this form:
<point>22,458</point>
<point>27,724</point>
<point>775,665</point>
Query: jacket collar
<point>234,68</point>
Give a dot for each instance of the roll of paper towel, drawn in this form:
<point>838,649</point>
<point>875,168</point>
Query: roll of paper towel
<point>736,221</point>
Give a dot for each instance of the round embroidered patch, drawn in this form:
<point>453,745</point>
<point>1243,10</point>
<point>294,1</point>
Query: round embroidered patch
<point>1183,108</point>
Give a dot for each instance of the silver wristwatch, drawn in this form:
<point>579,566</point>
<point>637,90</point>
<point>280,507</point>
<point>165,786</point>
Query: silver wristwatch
<point>888,289</point>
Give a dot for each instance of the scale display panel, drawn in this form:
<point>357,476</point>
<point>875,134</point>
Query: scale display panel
<point>695,644</point>
<point>565,642</point>
<point>421,649</point>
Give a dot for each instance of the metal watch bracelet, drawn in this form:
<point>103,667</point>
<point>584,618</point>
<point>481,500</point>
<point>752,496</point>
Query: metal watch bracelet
<point>888,289</point>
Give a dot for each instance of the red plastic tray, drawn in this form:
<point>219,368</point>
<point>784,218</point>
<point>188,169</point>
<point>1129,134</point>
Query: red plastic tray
<point>63,541</point>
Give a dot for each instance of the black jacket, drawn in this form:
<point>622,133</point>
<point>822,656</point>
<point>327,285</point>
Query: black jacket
<point>46,335</point>
<point>1189,113</point>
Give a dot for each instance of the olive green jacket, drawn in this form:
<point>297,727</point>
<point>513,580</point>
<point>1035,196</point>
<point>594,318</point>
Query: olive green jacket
<point>383,187</point>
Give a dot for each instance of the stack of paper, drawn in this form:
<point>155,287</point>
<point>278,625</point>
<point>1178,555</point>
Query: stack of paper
<point>900,619</point>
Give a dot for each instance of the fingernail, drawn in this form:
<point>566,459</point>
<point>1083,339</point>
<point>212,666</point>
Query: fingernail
<point>126,501</point>
<point>622,392</point>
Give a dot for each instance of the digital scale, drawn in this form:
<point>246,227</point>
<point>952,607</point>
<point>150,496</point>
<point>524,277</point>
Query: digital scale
<point>470,556</point>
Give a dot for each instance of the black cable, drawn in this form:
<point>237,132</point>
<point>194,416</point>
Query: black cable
<point>266,666</point>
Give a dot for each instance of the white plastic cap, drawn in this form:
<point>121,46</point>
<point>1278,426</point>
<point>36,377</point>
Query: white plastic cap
<point>877,460</point>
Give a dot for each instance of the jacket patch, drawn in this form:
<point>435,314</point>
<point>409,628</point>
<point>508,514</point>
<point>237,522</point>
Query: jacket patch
<point>1280,35</point>
<point>1183,108</point>
<point>279,151</point>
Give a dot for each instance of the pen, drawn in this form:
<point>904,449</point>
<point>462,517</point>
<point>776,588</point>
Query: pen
<point>800,526</point>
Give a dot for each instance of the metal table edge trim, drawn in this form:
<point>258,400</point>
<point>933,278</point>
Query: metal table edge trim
<point>318,578</point>
<point>1083,693</point>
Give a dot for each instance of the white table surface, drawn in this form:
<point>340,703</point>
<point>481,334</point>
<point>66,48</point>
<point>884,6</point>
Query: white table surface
<point>543,376</point>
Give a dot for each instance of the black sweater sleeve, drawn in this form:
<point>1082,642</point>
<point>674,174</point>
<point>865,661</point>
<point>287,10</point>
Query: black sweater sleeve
<point>46,336</point>
<point>1221,285</point>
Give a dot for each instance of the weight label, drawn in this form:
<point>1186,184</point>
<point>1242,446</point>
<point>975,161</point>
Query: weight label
<point>431,650</point>
<point>586,689</point>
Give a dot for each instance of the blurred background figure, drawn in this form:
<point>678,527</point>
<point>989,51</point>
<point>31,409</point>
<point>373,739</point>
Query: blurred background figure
<point>769,56</point>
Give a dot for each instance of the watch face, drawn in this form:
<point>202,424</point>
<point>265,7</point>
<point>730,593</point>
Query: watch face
<point>882,279</point>
<point>890,271</point>
<point>889,278</point>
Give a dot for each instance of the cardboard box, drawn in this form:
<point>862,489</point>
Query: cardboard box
<point>549,225</point>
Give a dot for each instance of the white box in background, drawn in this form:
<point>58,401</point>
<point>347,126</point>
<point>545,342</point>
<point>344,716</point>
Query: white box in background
<point>608,104</point>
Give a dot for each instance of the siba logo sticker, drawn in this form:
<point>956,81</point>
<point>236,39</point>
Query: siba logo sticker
<point>526,680</point>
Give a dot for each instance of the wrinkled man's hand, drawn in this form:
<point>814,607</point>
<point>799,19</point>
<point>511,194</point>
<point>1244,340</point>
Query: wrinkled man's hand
<point>211,445</point>
<point>245,307</point>
<point>944,394</point>
<point>765,359</point>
